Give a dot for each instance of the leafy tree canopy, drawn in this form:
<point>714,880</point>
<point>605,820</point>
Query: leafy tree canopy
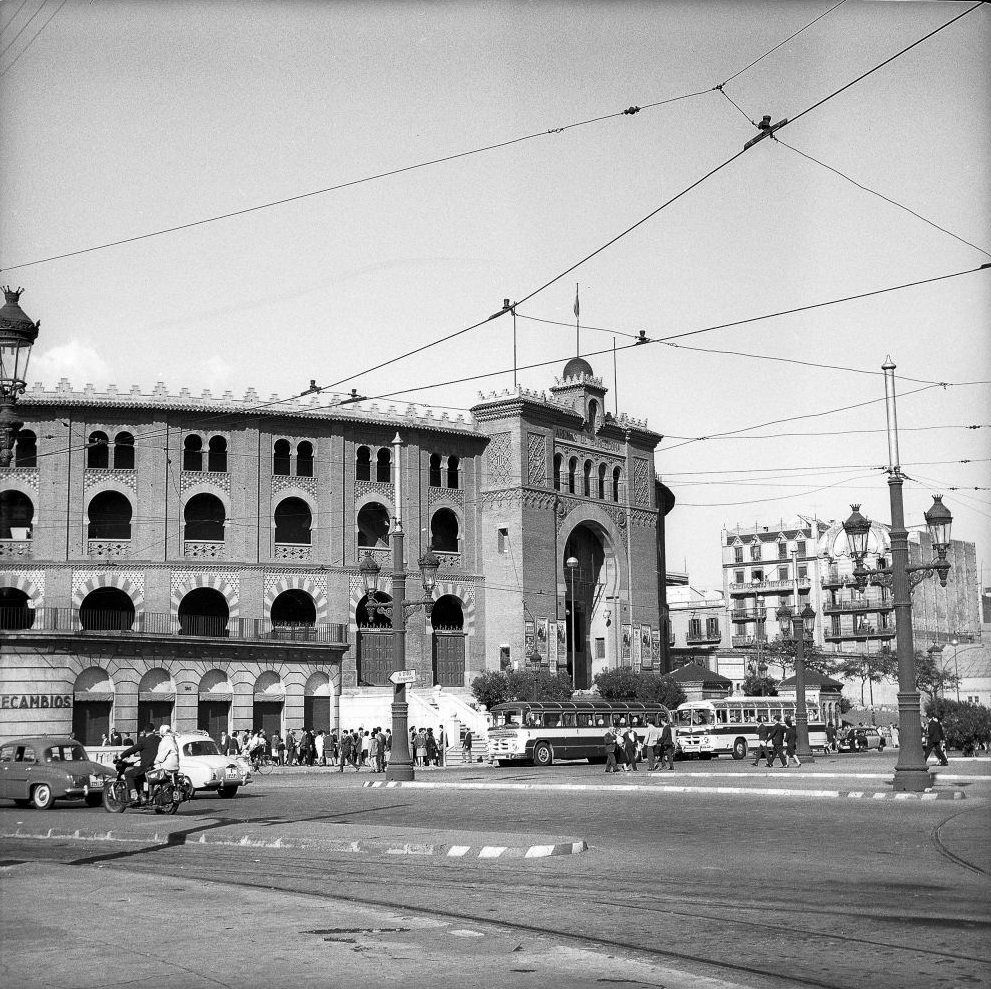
<point>624,684</point>
<point>967,726</point>
<point>755,685</point>
<point>494,687</point>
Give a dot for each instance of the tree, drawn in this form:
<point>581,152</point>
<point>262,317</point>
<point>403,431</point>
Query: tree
<point>756,685</point>
<point>782,653</point>
<point>624,684</point>
<point>931,677</point>
<point>868,668</point>
<point>967,725</point>
<point>490,688</point>
<point>493,687</point>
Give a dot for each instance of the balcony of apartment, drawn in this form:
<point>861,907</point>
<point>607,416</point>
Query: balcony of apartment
<point>849,607</point>
<point>147,624</point>
<point>861,634</point>
<point>833,578</point>
<point>758,586</point>
<point>704,638</point>
<point>746,641</point>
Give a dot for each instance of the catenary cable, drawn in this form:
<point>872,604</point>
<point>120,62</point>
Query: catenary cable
<point>13,18</point>
<point>24,27</point>
<point>34,38</point>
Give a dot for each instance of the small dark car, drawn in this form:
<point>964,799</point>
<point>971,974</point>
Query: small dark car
<point>860,738</point>
<point>38,770</point>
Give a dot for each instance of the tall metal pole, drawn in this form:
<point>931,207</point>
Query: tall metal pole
<point>400,767</point>
<point>911,771</point>
<point>571,618</point>
<point>802,749</point>
<point>956,669</point>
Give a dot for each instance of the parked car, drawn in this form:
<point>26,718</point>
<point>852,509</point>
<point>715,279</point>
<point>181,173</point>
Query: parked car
<point>860,738</point>
<point>38,770</point>
<point>209,769</point>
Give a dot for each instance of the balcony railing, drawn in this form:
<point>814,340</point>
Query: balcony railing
<point>149,623</point>
<point>203,549</point>
<point>16,548</point>
<point>299,552</point>
<point>866,632</point>
<point>746,641</point>
<point>704,638</point>
<point>845,607</point>
<point>833,578</point>
<point>770,585</point>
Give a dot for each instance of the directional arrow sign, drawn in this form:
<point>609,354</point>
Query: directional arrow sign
<point>403,676</point>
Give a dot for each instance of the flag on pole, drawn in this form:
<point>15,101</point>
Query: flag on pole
<point>576,300</point>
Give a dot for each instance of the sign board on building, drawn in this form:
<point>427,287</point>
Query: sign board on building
<point>403,676</point>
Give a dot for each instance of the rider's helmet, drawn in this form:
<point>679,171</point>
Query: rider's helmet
<point>164,730</point>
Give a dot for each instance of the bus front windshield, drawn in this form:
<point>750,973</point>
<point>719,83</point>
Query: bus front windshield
<point>693,716</point>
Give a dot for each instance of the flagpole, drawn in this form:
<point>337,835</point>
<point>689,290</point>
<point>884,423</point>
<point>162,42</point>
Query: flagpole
<point>578,345</point>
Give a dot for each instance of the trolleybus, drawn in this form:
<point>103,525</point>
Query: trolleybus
<point>728,725</point>
<point>543,732</point>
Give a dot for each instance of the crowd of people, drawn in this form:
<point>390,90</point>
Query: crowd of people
<point>357,748</point>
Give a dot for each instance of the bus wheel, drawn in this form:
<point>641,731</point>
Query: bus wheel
<point>740,749</point>
<point>542,755</point>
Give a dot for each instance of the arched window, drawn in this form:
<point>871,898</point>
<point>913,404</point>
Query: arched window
<point>593,416</point>
<point>107,608</point>
<point>217,456</point>
<point>16,515</point>
<point>557,471</point>
<point>192,453</point>
<point>293,521</point>
<point>373,525</point>
<point>26,449</point>
<point>363,464</point>
<point>304,459</point>
<point>435,471</point>
<point>587,479</point>
<point>383,465</point>
<point>453,470</point>
<point>293,607</point>
<point>617,477</point>
<point>98,450</point>
<point>572,471</point>
<point>444,531</point>
<point>281,458</point>
<point>602,481</point>
<point>124,451</point>
<point>204,516</point>
<point>109,516</point>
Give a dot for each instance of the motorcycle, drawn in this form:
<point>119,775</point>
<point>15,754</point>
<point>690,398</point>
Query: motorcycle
<point>166,789</point>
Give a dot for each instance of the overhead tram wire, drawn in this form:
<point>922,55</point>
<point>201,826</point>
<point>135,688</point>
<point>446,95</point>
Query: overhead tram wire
<point>880,195</point>
<point>13,18</point>
<point>355,182</point>
<point>34,38</point>
<point>24,27</point>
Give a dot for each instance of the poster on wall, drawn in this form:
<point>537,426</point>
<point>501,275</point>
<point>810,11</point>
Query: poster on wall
<point>655,648</point>
<point>552,645</point>
<point>636,648</point>
<point>542,631</point>
<point>529,637</point>
<point>646,658</point>
<point>627,646</point>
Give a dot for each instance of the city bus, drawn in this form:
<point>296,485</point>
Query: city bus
<point>728,725</point>
<point>541,732</point>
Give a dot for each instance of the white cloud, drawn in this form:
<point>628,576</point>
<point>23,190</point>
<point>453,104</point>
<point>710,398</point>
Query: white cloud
<point>75,360</point>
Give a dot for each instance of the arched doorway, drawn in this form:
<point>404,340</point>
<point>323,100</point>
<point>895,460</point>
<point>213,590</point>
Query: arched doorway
<point>156,699</point>
<point>269,700</point>
<point>204,611</point>
<point>373,648</point>
<point>92,705</point>
<point>448,622</point>
<point>213,712</point>
<point>293,615</point>
<point>587,594</point>
<point>317,695</point>
<point>106,609</point>
<point>15,609</point>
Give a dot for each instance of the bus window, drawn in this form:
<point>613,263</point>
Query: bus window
<point>734,716</point>
<point>552,720</point>
<point>569,721</point>
<point>619,720</point>
<point>532,720</point>
<point>684,718</point>
<point>749,714</point>
<point>722,716</point>
<point>585,720</point>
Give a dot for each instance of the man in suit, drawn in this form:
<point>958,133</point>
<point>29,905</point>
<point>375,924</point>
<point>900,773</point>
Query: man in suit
<point>609,747</point>
<point>935,740</point>
<point>776,739</point>
<point>668,745</point>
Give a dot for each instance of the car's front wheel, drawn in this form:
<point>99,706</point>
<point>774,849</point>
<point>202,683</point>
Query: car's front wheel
<point>42,796</point>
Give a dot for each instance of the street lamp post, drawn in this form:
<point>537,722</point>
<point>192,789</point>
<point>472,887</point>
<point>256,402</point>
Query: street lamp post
<point>799,627</point>
<point>400,767</point>
<point>571,563</point>
<point>956,669</point>
<point>911,771</point>
<point>17,337</point>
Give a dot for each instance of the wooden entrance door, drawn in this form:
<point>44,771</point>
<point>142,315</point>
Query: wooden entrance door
<point>213,717</point>
<point>375,661</point>
<point>449,659</point>
<point>90,721</point>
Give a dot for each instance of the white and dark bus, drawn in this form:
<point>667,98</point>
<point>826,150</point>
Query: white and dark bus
<point>728,726</point>
<point>542,732</point>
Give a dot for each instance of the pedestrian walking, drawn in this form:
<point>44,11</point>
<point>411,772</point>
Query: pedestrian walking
<point>290,747</point>
<point>761,740</point>
<point>319,747</point>
<point>373,750</point>
<point>345,750</point>
<point>831,738</point>
<point>669,737</point>
<point>935,740</point>
<point>776,741</point>
<point>894,736</point>
<point>466,746</point>
<point>791,741</point>
<point>380,750</point>
<point>630,743</point>
<point>651,744</point>
<point>609,747</point>
<point>430,751</point>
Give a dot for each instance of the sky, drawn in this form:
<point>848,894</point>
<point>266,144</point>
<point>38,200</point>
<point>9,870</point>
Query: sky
<point>121,119</point>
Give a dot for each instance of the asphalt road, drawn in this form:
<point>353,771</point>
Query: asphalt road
<point>758,888</point>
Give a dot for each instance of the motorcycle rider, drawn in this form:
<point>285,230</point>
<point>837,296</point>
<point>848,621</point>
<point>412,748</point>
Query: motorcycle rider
<point>147,749</point>
<point>167,757</point>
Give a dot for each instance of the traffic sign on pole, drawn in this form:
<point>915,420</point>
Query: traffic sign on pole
<point>403,676</point>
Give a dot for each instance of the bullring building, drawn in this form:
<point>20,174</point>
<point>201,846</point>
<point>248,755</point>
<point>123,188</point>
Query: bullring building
<point>195,560</point>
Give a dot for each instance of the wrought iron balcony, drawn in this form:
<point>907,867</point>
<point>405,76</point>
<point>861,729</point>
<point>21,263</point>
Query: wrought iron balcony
<point>845,607</point>
<point>704,638</point>
<point>863,633</point>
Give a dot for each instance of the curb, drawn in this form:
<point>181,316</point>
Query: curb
<point>665,788</point>
<point>358,847</point>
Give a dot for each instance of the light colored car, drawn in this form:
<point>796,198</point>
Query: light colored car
<point>861,738</point>
<point>207,767</point>
<point>38,770</point>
